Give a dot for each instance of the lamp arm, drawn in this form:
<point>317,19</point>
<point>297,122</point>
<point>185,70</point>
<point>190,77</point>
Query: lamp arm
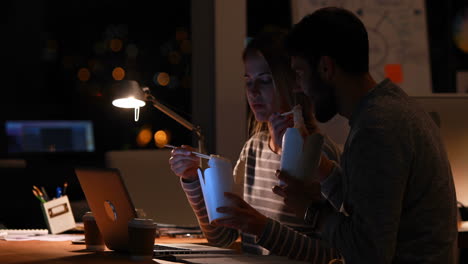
<point>178,118</point>
<point>201,139</point>
<point>171,113</point>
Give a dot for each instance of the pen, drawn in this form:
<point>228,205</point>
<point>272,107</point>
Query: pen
<point>287,113</point>
<point>193,152</point>
<point>65,185</point>
<point>45,195</point>
<point>39,192</point>
<point>38,196</point>
<point>58,192</point>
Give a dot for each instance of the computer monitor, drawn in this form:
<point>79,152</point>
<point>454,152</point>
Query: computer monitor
<point>41,136</point>
<point>450,112</point>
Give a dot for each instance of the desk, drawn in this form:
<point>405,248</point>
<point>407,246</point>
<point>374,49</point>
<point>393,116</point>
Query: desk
<point>64,252</point>
<point>46,252</point>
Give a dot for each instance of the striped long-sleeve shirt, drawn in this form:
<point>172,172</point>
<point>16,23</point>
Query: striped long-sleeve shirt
<point>285,234</point>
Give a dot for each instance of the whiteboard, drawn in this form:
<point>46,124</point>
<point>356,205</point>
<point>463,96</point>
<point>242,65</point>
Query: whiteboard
<point>398,41</point>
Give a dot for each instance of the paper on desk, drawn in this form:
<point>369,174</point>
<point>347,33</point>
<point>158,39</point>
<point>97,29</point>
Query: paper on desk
<point>59,237</point>
<point>236,259</point>
<point>160,261</point>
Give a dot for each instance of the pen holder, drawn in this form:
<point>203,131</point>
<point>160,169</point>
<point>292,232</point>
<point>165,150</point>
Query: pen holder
<point>58,215</point>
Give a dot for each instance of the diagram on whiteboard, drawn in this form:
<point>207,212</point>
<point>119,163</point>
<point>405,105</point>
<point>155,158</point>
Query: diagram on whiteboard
<point>398,42</point>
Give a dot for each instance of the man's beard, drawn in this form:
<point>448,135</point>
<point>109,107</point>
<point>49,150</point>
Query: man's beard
<point>325,102</point>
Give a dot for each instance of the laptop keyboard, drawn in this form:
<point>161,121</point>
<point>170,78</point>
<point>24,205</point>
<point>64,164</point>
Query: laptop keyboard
<point>161,247</point>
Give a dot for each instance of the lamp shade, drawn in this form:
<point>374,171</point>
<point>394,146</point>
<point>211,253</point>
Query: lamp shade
<point>127,94</point>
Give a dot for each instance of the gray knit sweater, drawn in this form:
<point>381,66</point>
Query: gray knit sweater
<point>395,183</point>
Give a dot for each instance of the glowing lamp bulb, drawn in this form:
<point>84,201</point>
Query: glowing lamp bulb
<point>130,102</point>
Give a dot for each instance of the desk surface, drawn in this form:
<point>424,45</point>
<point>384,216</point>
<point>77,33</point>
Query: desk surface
<point>64,252</point>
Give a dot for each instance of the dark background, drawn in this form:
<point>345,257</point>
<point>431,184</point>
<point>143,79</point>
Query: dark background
<point>45,43</point>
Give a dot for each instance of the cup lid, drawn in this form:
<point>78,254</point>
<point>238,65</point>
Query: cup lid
<point>88,215</point>
<point>142,223</point>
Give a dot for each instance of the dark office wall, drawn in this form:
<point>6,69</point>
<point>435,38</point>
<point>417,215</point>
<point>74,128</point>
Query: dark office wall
<point>45,43</point>
<point>266,15</point>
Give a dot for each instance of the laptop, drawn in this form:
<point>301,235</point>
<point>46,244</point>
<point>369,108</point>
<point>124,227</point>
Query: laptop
<point>112,208</point>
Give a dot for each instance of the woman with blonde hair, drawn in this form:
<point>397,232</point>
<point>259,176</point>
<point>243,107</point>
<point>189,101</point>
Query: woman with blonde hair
<point>260,217</point>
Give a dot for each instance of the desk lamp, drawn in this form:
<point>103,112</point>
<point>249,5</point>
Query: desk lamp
<point>130,95</point>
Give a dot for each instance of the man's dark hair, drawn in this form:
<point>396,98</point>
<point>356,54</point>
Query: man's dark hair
<point>334,32</point>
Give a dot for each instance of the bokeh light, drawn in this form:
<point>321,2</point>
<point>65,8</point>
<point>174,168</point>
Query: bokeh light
<point>115,45</point>
<point>163,79</point>
<point>84,74</point>
<point>161,138</point>
<point>460,30</point>
<point>174,57</point>
<point>181,34</point>
<point>50,51</point>
<point>118,73</point>
<point>67,61</point>
<point>144,136</point>
<point>186,46</point>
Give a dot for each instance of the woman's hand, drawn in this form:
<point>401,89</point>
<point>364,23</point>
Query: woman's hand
<point>279,124</point>
<point>242,216</point>
<point>183,163</point>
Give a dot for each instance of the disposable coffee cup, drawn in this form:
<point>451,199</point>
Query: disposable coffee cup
<point>141,235</point>
<point>93,237</point>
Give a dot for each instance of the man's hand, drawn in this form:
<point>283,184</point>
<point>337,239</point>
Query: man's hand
<point>242,216</point>
<point>297,194</point>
